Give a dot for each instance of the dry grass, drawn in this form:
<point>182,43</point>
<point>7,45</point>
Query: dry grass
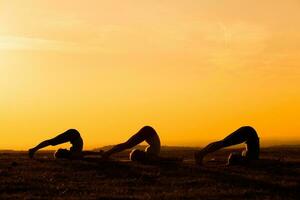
<point>45,178</point>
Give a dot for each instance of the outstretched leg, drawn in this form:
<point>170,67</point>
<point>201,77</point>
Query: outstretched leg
<point>70,135</point>
<point>243,134</point>
<point>147,134</point>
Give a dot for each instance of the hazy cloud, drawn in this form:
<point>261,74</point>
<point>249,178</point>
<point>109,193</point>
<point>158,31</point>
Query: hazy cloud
<point>41,44</point>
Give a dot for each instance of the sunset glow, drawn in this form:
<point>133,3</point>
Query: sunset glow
<point>195,70</point>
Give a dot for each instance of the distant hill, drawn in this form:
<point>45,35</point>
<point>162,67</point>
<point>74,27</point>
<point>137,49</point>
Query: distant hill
<point>6,151</point>
<point>296,146</point>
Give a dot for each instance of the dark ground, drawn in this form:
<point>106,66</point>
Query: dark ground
<point>46,178</point>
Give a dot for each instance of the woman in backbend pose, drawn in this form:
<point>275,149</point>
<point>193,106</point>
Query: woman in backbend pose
<point>245,135</point>
<point>75,152</point>
<point>150,154</point>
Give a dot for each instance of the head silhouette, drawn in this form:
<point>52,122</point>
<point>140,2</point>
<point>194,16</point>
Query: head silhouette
<point>236,158</point>
<point>62,153</point>
<point>137,155</point>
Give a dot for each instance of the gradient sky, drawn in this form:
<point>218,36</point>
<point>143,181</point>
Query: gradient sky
<point>195,69</point>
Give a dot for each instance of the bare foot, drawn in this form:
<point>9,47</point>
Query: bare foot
<point>31,153</point>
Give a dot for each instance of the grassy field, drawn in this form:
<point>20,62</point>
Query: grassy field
<point>46,178</point>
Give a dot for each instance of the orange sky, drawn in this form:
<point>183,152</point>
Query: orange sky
<point>195,70</point>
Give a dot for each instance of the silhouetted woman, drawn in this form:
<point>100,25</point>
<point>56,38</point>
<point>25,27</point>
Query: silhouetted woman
<point>75,152</point>
<point>150,154</point>
<point>245,135</point>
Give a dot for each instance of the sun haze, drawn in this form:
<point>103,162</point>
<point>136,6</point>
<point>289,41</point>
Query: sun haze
<point>195,70</point>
